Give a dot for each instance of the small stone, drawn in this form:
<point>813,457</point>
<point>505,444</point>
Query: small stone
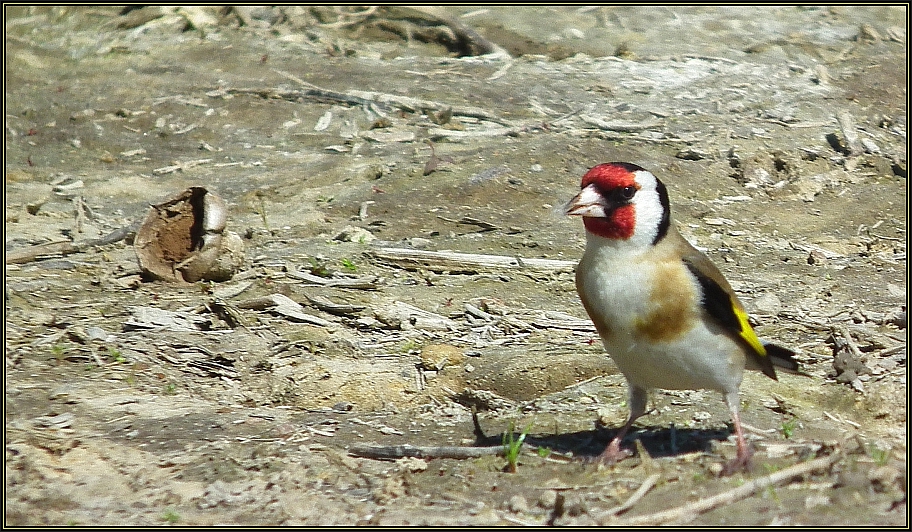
<point>96,333</point>
<point>869,146</point>
<point>517,504</point>
<point>355,234</point>
<point>547,499</point>
<point>866,32</point>
<point>437,356</point>
<point>768,304</point>
<point>818,499</point>
<point>419,243</point>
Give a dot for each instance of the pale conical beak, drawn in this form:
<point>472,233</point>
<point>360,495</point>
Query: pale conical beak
<point>589,202</point>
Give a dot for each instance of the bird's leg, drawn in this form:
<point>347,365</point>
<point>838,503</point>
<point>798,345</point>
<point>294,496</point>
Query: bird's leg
<point>613,453</point>
<point>742,459</point>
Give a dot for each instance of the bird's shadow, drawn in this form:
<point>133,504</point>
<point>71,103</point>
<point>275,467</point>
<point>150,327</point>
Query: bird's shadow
<point>588,444</point>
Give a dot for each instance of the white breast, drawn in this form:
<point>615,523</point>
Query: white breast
<point>618,291</point>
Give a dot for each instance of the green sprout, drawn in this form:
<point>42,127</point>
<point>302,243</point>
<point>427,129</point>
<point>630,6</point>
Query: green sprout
<point>788,428</point>
<point>262,212</point>
<point>349,265</point>
<point>170,516</point>
<point>409,345</point>
<point>771,489</point>
<point>512,446</point>
<point>116,355</point>
<point>880,456</point>
<point>59,350</point>
<point>318,268</point>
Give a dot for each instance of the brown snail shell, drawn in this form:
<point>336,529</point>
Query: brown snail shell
<point>183,239</point>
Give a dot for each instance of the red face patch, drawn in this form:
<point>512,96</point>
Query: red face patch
<point>621,220</point>
<point>609,176</point>
<point>618,226</point>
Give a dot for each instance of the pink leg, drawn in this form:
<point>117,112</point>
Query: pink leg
<point>613,453</point>
<point>742,459</point>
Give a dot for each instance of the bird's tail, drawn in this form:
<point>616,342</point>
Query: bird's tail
<point>781,357</point>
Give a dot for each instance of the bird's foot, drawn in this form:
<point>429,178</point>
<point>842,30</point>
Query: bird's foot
<point>612,454</point>
<point>741,462</point>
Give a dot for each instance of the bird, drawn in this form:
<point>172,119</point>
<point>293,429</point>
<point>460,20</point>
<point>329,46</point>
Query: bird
<point>666,315</point>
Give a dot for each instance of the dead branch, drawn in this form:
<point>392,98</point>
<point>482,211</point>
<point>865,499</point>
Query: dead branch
<point>623,127</point>
<point>464,33</point>
<point>369,282</point>
<point>285,306</point>
<point>689,512</point>
<point>413,259</point>
<point>437,133</point>
<point>849,132</point>
<point>394,452</point>
<point>57,249</point>
<point>363,99</point>
<point>637,495</point>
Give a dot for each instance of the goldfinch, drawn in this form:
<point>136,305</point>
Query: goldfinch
<point>665,313</point>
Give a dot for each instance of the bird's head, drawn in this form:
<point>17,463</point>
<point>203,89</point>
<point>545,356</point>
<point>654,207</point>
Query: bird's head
<point>622,202</point>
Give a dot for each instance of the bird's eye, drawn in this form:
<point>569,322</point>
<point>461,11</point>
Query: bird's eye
<point>628,192</point>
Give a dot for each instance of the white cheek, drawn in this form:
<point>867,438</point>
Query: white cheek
<point>648,216</point>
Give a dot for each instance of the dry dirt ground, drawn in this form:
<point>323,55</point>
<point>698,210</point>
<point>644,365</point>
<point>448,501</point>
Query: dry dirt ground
<point>336,134</point>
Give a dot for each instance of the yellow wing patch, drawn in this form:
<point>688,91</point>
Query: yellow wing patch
<point>747,332</point>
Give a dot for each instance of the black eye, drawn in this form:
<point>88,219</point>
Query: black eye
<point>628,192</point>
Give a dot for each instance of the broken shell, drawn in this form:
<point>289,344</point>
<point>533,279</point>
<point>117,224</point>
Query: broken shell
<point>215,213</point>
<point>182,239</point>
<point>218,261</point>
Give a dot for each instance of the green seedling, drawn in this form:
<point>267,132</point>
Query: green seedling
<point>409,346</point>
<point>771,489</point>
<point>116,355</point>
<point>263,211</point>
<point>788,428</point>
<point>170,516</point>
<point>319,269</point>
<point>349,265</point>
<point>880,456</point>
<point>512,446</point>
<point>59,351</point>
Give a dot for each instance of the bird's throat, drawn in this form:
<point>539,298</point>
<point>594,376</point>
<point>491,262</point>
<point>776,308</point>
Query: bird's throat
<point>618,225</point>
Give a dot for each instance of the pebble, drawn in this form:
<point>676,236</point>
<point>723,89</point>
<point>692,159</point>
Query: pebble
<point>768,304</point>
<point>438,356</point>
<point>517,504</point>
<point>354,234</point>
<point>547,499</point>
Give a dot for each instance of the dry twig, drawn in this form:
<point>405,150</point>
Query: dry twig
<point>363,99</point>
<point>690,511</point>
<point>55,249</point>
<point>463,262</point>
<point>394,452</point>
<point>637,495</point>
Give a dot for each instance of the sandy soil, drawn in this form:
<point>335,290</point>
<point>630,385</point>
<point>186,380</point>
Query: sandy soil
<point>336,134</point>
